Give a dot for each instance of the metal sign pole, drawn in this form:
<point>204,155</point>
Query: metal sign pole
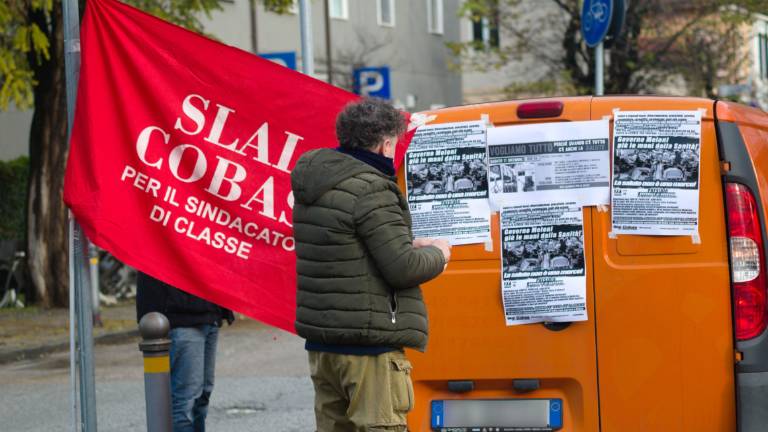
<point>599,69</point>
<point>307,54</point>
<point>77,251</point>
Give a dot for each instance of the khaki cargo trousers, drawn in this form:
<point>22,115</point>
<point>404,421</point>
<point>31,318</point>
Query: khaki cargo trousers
<point>361,393</point>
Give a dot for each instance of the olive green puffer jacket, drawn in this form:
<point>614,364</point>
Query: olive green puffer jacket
<point>358,272</point>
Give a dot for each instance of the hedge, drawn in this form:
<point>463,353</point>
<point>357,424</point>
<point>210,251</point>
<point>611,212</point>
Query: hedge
<point>14,175</point>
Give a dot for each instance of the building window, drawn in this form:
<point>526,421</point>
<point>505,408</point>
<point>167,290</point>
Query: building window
<point>435,16</point>
<point>339,9</point>
<point>485,30</point>
<point>386,12</point>
<point>762,54</point>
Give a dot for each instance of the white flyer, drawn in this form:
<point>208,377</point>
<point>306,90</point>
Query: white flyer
<point>656,172</point>
<point>543,274</point>
<point>548,162</point>
<point>447,182</point>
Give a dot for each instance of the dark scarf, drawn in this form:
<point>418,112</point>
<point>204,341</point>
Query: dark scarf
<point>381,163</point>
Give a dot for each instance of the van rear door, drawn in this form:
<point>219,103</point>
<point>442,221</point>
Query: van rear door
<point>663,308</point>
<point>472,354</point>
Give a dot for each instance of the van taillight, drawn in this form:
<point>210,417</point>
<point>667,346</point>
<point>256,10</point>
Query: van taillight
<point>747,261</point>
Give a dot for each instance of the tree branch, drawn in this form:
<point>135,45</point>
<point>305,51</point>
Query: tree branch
<point>562,5</point>
<point>671,41</point>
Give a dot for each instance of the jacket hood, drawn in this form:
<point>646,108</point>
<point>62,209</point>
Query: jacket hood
<point>318,171</point>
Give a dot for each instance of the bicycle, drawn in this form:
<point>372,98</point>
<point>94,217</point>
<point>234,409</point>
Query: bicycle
<point>13,282</point>
<point>117,281</point>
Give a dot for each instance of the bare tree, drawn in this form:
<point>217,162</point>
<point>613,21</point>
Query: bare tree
<point>646,53</point>
<point>712,53</point>
<point>366,49</point>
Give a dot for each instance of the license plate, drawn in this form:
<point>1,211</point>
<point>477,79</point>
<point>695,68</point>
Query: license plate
<point>497,415</point>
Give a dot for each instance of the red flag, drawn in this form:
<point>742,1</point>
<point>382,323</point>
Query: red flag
<point>180,158</point>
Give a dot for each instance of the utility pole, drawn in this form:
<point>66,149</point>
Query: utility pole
<point>254,29</point>
<point>328,48</point>
<point>307,54</point>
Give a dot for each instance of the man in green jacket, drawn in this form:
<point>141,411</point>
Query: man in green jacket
<point>359,269</point>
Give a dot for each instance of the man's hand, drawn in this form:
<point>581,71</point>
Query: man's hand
<point>444,247</point>
<point>441,244</point>
<point>422,242</point>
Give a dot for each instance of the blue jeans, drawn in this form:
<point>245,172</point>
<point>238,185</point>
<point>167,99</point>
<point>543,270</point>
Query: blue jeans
<point>193,358</point>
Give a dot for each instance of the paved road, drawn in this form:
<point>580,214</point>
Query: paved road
<point>261,385</point>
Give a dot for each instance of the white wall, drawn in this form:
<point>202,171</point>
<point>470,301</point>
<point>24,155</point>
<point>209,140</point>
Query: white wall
<point>14,133</point>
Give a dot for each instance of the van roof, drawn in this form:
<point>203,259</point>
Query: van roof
<point>508,107</point>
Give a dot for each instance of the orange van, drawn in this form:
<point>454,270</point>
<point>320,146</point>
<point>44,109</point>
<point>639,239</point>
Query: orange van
<point>672,343</point>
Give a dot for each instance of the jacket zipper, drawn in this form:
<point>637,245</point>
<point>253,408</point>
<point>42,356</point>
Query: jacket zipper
<point>394,311</point>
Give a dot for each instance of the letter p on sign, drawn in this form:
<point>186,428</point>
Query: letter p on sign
<point>373,82</point>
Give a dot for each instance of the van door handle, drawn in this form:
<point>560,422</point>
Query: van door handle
<point>555,326</point>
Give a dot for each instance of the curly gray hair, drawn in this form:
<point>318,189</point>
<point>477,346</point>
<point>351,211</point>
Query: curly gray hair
<point>367,122</point>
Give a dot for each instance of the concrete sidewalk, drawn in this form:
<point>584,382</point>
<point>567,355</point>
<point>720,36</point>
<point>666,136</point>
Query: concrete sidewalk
<point>33,332</point>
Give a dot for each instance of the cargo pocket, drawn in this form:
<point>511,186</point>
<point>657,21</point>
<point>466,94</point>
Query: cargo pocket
<point>402,387</point>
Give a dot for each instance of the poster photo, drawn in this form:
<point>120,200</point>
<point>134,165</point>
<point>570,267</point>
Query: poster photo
<point>549,162</point>
<point>446,173</point>
<point>543,271</point>
<point>656,172</point>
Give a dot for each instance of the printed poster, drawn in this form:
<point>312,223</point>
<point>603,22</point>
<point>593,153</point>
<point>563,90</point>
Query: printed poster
<point>549,162</point>
<point>656,172</point>
<point>447,182</point>
<point>543,272</point>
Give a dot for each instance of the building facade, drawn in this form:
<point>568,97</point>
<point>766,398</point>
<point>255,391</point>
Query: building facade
<point>755,90</point>
<point>522,74</point>
<point>741,75</point>
<point>407,38</point>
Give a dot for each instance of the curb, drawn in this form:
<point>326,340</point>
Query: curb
<point>42,350</point>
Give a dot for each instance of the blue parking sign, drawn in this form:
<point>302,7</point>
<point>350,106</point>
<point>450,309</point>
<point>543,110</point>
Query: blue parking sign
<point>287,58</point>
<point>372,81</point>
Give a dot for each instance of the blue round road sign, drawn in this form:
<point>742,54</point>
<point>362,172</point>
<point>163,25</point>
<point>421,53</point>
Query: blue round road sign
<point>596,20</point>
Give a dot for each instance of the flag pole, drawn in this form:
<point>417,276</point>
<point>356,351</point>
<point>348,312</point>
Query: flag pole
<point>81,349</point>
<point>72,339</point>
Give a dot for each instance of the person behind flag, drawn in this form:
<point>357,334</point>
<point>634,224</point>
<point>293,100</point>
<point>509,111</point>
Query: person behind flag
<point>194,334</point>
<point>359,269</point>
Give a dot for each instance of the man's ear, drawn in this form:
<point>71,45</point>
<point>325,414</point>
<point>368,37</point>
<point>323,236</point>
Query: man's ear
<point>393,143</point>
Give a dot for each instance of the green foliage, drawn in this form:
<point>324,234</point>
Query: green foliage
<point>26,28</point>
<point>186,13</point>
<point>278,6</point>
<point>14,176</point>
<point>477,9</point>
<point>21,42</point>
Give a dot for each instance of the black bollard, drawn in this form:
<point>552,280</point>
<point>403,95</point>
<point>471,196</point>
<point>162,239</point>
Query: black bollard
<point>154,328</point>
